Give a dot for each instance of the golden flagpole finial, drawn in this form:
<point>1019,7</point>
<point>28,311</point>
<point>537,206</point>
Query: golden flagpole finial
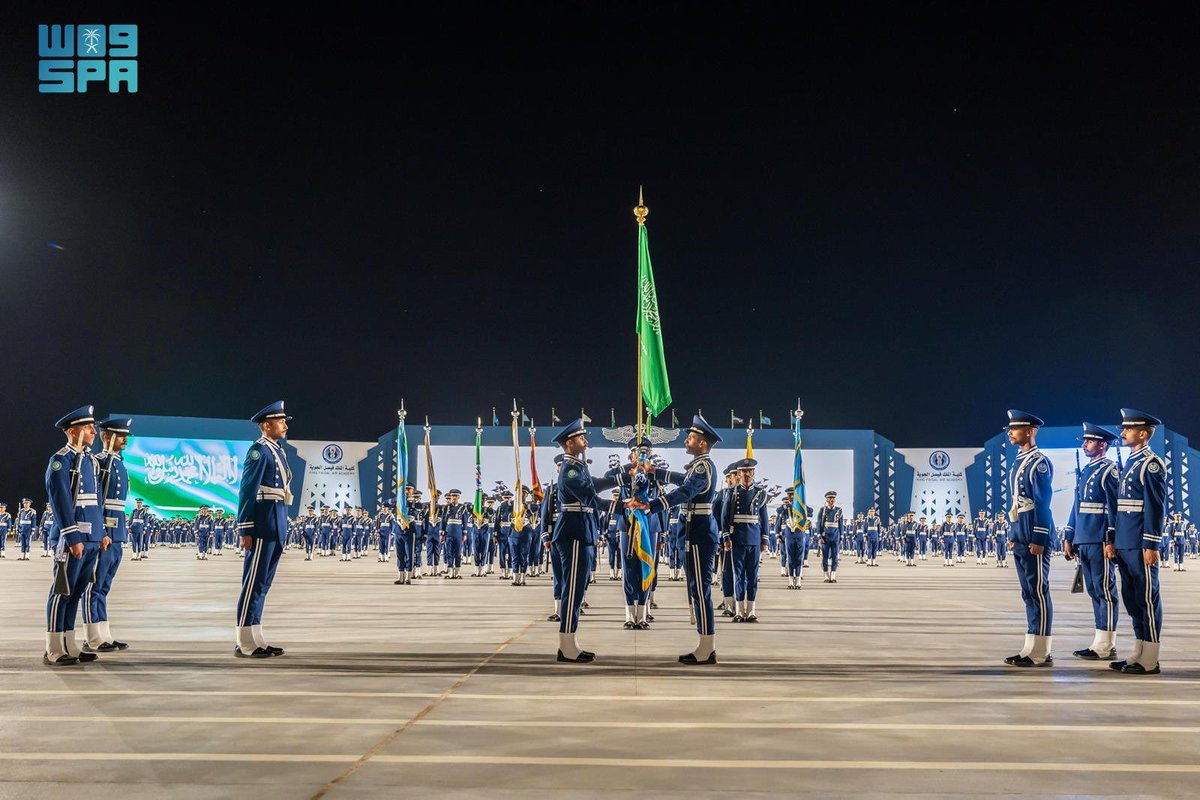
<point>640,211</point>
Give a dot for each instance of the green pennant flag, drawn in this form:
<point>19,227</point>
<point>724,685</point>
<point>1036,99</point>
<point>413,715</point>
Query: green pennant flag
<point>656,389</point>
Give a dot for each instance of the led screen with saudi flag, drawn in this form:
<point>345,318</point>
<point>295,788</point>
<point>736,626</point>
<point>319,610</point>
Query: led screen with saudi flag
<point>176,476</point>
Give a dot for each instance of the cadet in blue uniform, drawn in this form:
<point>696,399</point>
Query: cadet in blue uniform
<point>309,525</point>
<point>76,537</point>
<point>1091,527</point>
<point>745,538</point>
<point>203,526</point>
<point>637,599</point>
<point>325,530</point>
<point>221,529</point>
<point>26,525</point>
<point>724,565</point>
<point>345,529</point>
<point>407,537</point>
<point>980,530</point>
<point>263,500</point>
<point>1000,530</point>
<point>137,529</point>
<point>1176,531</point>
<point>549,518</point>
<point>793,538</point>
<point>1141,512</point>
<point>574,537</point>
<point>860,539</point>
<point>453,532</point>
<point>948,538</point>
<point>872,525</point>
<point>483,538</point>
<point>46,525</point>
<point>113,485</point>
<point>695,490</point>
<point>6,523</point>
<point>1030,485</point>
<point>830,524</point>
<point>612,519</point>
<point>385,523</point>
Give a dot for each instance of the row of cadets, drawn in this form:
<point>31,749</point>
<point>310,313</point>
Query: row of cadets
<point>830,525</point>
<point>695,490</point>
<point>113,490</point>
<point>744,533</point>
<point>452,532</point>
<point>1090,528</point>
<point>76,537</point>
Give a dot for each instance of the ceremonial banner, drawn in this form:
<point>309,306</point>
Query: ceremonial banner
<point>402,475</point>
<point>652,360</point>
<point>799,518</point>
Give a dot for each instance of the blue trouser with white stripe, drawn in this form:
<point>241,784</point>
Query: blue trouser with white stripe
<point>258,572</point>
<point>405,545</point>
<point>910,547</point>
<point>518,549</point>
<point>61,609</point>
<point>1100,580</point>
<point>872,547</point>
<point>981,547</point>
<point>1139,593</point>
<point>745,567</point>
<point>453,548</point>
<point>96,595</point>
<point>1002,549</point>
<point>795,544</point>
<point>726,574</point>
<point>1034,574</point>
<point>575,561</point>
<point>698,567</point>
<point>1178,542</point>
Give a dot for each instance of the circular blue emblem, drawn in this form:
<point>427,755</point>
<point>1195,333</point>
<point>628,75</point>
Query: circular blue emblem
<point>939,459</point>
<point>332,454</point>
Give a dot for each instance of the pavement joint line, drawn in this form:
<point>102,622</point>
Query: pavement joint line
<point>840,699</point>
<point>623,763</point>
<point>631,724</point>
<point>375,749</point>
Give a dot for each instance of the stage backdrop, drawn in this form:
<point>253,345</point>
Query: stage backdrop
<point>332,473</point>
<point>176,476</point>
<point>940,480</point>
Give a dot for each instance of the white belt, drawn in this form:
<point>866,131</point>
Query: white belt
<point>1024,505</point>
<point>454,522</point>
<point>1130,505</point>
<point>273,493</point>
<point>700,508</point>
<point>114,505</point>
<point>110,522</point>
<point>745,518</point>
<point>86,503</point>
<point>576,507</point>
<point>1096,511</point>
<point>85,496</point>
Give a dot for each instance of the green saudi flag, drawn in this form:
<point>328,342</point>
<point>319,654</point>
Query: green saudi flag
<point>652,361</point>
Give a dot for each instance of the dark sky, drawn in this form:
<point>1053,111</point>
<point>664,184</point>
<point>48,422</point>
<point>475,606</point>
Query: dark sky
<point>912,221</point>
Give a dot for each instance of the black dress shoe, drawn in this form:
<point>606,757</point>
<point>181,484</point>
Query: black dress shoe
<point>107,647</point>
<point>642,626</point>
<point>725,612</point>
<point>1088,654</point>
<point>61,661</point>
<point>258,652</point>
<point>582,658</point>
<point>119,645</point>
<point>628,625</point>
<point>649,618</point>
<point>554,618</point>
<point>87,658</point>
<point>399,581</point>
<point>584,604</point>
<point>1135,668</point>
<point>1013,659</point>
<point>738,618</point>
<point>1117,665</point>
<point>588,654</point>
<point>690,658</point>
<point>751,618</point>
<point>653,604</point>
<point>275,651</point>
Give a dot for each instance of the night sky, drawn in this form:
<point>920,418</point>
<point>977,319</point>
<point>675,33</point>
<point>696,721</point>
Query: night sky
<point>912,222</point>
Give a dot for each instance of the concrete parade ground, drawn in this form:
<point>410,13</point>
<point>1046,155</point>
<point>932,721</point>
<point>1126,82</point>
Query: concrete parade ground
<point>890,682</point>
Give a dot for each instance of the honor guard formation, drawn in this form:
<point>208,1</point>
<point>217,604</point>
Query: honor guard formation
<point>634,519</point>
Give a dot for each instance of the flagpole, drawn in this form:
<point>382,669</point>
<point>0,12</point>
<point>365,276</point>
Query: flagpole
<point>640,212</point>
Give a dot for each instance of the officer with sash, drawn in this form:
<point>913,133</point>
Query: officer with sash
<point>77,536</point>
<point>695,489</point>
<point>1091,527</point>
<point>263,500</point>
<point>574,536</point>
<point>1030,486</point>
<point>1141,512</point>
<point>113,483</point>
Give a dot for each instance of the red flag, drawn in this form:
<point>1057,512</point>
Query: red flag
<point>538,494</point>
